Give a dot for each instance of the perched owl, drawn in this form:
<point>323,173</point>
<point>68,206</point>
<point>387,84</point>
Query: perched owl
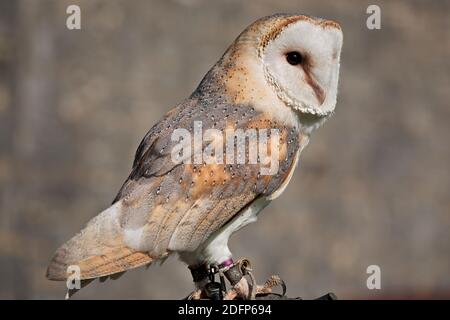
<point>280,78</point>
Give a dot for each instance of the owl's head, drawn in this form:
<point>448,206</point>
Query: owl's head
<point>296,56</point>
<point>301,60</point>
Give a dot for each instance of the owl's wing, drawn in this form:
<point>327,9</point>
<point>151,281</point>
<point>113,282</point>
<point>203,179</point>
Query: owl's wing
<point>165,206</point>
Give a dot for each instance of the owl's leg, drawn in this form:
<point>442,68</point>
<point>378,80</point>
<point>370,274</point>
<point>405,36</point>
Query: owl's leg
<point>200,278</point>
<point>208,288</point>
<point>240,276</point>
<point>248,290</point>
<point>235,273</point>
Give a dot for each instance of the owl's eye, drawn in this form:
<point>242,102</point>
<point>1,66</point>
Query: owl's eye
<point>294,58</point>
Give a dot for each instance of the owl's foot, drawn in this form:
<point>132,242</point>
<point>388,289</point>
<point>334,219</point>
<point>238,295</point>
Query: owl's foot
<point>269,285</point>
<point>195,295</point>
<point>245,289</point>
<point>240,291</point>
<point>239,274</point>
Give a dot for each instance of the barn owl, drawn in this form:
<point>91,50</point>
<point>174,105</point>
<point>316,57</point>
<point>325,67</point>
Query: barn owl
<point>280,73</point>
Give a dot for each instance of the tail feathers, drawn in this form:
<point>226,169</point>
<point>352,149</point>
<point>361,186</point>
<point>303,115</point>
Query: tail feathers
<point>109,263</point>
<point>97,251</point>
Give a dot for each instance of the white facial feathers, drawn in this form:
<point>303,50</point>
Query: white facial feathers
<point>311,85</point>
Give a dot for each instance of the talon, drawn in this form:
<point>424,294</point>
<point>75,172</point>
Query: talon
<point>195,295</point>
<point>238,273</point>
<point>270,284</point>
<point>240,290</point>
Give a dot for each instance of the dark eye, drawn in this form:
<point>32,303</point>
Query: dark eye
<point>294,58</point>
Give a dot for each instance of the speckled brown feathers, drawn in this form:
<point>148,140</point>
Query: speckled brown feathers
<point>176,206</point>
<point>186,203</point>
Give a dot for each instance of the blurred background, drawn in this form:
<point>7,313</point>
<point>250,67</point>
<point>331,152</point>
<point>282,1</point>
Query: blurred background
<point>373,185</point>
